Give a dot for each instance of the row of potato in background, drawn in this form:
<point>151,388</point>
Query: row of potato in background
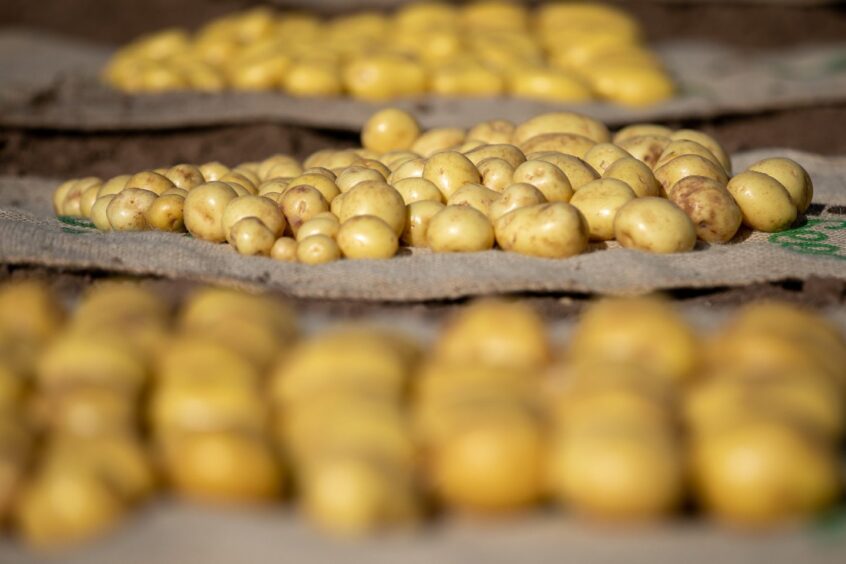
<point>562,52</point>
<point>227,402</point>
<point>544,188</point>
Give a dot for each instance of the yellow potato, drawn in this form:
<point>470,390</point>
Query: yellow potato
<point>449,171</point>
<point>175,192</point>
<point>567,143</point>
<point>284,249</point>
<point>367,237</point>
<point>166,213</point>
<point>263,209</point>
<point>599,201</point>
<point>390,129</point>
<point>237,180</point>
<point>555,230</point>
<point>203,210</point>
<point>185,176</point>
<point>273,186</point>
<point>706,141</point>
<point>514,197</point>
<point>636,174</point>
<point>638,129</point>
<point>503,151</point>
<point>127,210</point>
<point>318,249</point>
<point>688,165</point>
<point>279,166</point>
<point>418,216</point>
<point>474,195</point>
<point>459,229</point>
<point>149,180</point>
<point>646,148</point>
<point>383,77</point>
<point>393,159</point>
<point>259,72</point>
<point>546,177</point>
<point>575,169</point>
<point>114,185</point>
<point>792,176</point>
<point>630,85</point>
<point>495,173</point>
<point>437,140</point>
<point>375,198</point>
<point>410,168</point>
<point>71,205</point>
<point>681,147</point>
<point>549,84</point>
<point>655,225</point>
<point>60,194</point>
<point>603,155</point>
<point>710,207</point>
<point>417,189</point>
<point>561,122</point>
<point>321,224</point>
<point>465,78</point>
<point>213,171</point>
<point>353,175</point>
<point>495,131</point>
<point>319,181</point>
<point>765,203</point>
<point>87,199</point>
<point>312,78</point>
<point>251,236</point>
<point>301,203</point>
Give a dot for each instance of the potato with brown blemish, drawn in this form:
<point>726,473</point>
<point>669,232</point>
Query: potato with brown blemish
<point>167,213</point>
<point>301,203</point>
<point>710,207</point>
<point>185,176</point>
<point>603,155</point>
<point>496,174</point>
<point>474,195</point>
<point>645,148</point>
<point>654,225</point>
<point>203,210</point>
<point>127,210</point>
<point>449,171</point>
<point>688,165</point>
<point>554,230</point>
<point>492,131</point>
<point>258,207</point>
<point>149,180</point>
<point>546,177</point>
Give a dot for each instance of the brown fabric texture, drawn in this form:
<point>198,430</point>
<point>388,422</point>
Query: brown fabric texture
<point>29,234</point>
<point>51,82</point>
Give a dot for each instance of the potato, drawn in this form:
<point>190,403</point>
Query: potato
<point>99,212</point>
<point>437,140</point>
<point>383,77</point>
<point>599,201</point>
<point>645,148</point>
<point>504,151</point>
<point>319,181</point>
<point>417,189</point>
<point>493,131</point>
<point>575,169</point>
<point>792,176</point>
<point>688,165</point>
<point>567,143</point>
<point>765,203</point>
<point>287,166</point>
<point>126,211</point>
<point>60,194</point>
<point>555,230</point>
<point>284,249</point>
<point>654,225</point>
<point>240,183</point>
<point>617,474</point>
<point>630,85</point>
<point>449,171</point>
<point>203,210</point>
<point>465,78</point>
<point>706,141</point>
<point>312,78</point>
<point>213,171</point>
<point>760,472</point>
<point>113,185</point>
<point>682,147</point>
<point>301,203</point>
<point>710,207</point>
<point>390,129</point>
<point>638,129</point>
<point>72,203</point>
<point>495,173</point>
<point>603,155</point>
<point>258,207</point>
<point>87,199</point>
<point>375,198</point>
<point>474,195</point>
<point>367,237</point>
<point>355,174</point>
<point>149,180</point>
<point>546,177</point>
<point>393,159</point>
<point>418,216</point>
<point>514,197</point>
<point>321,224</point>
<point>411,168</point>
<point>494,465</point>
<point>317,249</point>
<point>549,84</point>
<point>251,236</point>
<point>561,122</point>
<point>636,174</point>
<point>185,176</point>
<point>273,186</point>
<point>459,229</point>
<point>166,213</point>
<point>175,192</point>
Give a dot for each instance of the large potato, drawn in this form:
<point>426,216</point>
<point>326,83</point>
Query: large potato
<point>555,230</point>
<point>792,176</point>
<point>375,198</point>
<point>459,229</point>
<point>567,143</point>
<point>688,165</point>
<point>449,171</point>
<point>764,201</point>
<point>709,206</point>
<point>636,174</point>
<point>546,177</point>
<point>655,225</point>
<point>561,122</point>
<point>645,148</point>
<point>388,130</point>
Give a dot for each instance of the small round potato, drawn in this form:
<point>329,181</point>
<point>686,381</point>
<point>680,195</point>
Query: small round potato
<point>126,212</point>
<point>706,141</point>
<point>149,180</point>
<point>460,229</point>
<point>599,201</point>
<point>99,212</point>
<point>185,176</point>
<point>411,168</point>
<point>388,130</point>
<point>547,178</point>
<point>320,182</point>
<point>418,216</point>
<point>688,165</point>
<point>449,171</point>
<point>474,195</point>
<point>375,198</point>
<point>792,176</point>
<point>496,173</point>
<point>114,185</point>
<point>301,203</point>
<point>367,237</point>
<point>655,225</point>
<point>323,225</point>
<point>437,140</point>
<point>638,129</point>
<point>318,249</point>
<point>645,148</point>
<point>577,171</point>
<point>259,207</point>
<point>506,152</point>
<point>681,147</point>
<point>710,207</point>
<point>167,213</point>
<point>516,196</point>
<point>417,189</point>
<point>567,143</point>
<point>554,230</point>
<point>213,171</point>
<point>636,174</point>
<point>603,155</point>
<point>561,122</point>
<point>284,249</point>
<point>492,131</point>
<point>353,175</point>
<point>251,236</point>
<point>764,201</point>
<point>203,210</point>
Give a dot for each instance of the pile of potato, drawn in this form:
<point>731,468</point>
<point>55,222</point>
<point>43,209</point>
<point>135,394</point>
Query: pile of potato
<point>545,188</point>
<point>560,52</point>
<point>225,403</point>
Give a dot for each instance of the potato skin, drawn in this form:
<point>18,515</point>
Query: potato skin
<point>655,225</point>
<point>460,229</point>
<point>553,230</point>
<point>764,201</point>
<point>792,176</point>
<point>710,207</point>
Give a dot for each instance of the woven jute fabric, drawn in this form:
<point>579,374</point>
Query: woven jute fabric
<point>53,82</point>
<point>30,234</point>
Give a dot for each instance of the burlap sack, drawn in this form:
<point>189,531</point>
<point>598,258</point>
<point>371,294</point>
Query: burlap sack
<point>29,234</point>
<point>52,82</point>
